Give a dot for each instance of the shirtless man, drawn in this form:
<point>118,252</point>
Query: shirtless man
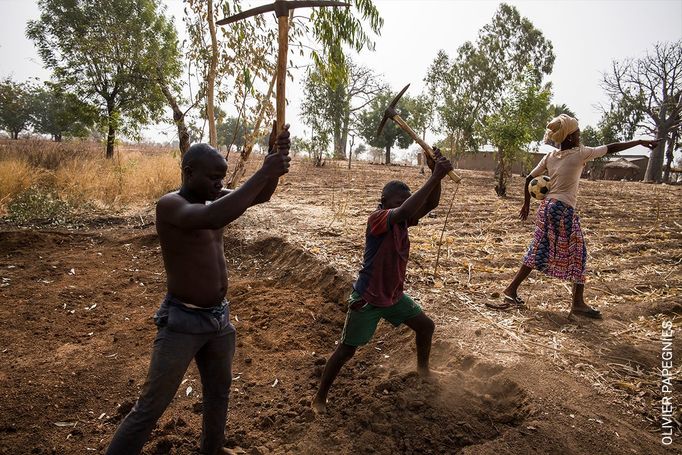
<point>193,320</point>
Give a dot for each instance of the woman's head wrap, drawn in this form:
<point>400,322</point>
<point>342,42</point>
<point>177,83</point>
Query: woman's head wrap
<point>559,129</point>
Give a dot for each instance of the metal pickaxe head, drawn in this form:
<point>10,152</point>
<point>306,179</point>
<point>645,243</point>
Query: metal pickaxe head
<point>390,111</point>
<point>280,8</point>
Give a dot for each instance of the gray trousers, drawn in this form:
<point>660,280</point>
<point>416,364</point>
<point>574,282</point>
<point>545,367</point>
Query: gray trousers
<point>174,349</point>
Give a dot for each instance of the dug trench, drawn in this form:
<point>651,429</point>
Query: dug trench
<point>77,334</point>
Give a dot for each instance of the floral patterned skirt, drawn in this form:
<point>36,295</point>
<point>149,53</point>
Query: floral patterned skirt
<point>558,247</point>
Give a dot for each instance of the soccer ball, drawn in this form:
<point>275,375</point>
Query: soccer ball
<point>539,187</point>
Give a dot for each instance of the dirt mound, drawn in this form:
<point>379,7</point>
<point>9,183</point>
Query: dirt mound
<point>276,259</point>
<point>407,414</point>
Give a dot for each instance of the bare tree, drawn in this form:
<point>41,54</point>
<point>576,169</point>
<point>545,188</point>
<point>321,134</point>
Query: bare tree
<point>333,105</point>
<point>653,85</point>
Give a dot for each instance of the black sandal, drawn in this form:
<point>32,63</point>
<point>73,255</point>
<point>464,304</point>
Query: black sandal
<point>589,313</point>
<point>514,301</point>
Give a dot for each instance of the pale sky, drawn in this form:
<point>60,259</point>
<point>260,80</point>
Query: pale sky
<point>586,35</point>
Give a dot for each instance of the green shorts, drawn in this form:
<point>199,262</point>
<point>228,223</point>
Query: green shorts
<point>362,323</point>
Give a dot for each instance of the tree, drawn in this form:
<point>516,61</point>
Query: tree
<point>59,113</point>
<point>516,125</point>
<point>558,109</point>
<point>591,136</point>
<point>476,84</point>
<point>377,154</point>
<point>673,143</point>
<point>106,52</point>
<point>459,108</point>
<point>421,113</point>
<point>332,105</point>
<point>170,92</point>
<point>15,107</point>
<point>368,122</point>
<point>651,85</point>
<point>241,42</point>
<point>359,150</point>
<point>232,131</point>
<point>335,28</point>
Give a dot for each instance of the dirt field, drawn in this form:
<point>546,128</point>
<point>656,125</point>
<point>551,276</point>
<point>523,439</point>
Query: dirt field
<point>77,330</point>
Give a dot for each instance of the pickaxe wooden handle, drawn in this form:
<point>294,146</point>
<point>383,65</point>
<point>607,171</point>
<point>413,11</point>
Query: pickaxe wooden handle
<point>427,148</point>
<point>391,113</point>
<point>281,9</point>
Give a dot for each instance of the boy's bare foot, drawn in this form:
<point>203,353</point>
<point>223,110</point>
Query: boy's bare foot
<point>319,406</point>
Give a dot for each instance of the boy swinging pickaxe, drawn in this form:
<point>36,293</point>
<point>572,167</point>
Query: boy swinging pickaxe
<point>281,8</point>
<point>391,113</point>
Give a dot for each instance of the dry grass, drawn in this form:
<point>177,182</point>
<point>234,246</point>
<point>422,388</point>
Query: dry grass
<point>16,176</point>
<point>78,173</point>
<point>128,179</point>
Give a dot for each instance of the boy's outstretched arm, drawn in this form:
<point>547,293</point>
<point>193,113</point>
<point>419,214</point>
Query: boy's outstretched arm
<point>433,198</point>
<point>620,146</point>
<point>415,203</point>
<point>277,144</point>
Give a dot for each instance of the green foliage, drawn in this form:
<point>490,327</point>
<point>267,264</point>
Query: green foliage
<point>558,109</point>
<point>421,109</point>
<point>369,121</point>
<point>516,124</point>
<point>38,204</point>
<point>59,113</point>
<point>234,65</point>
<point>474,85</point>
<point>591,136</point>
<point>15,107</point>
<point>315,148</point>
<point>232,131</point>
<point>621,121</point>
<point>109,54</point>
<point>323,105</point>
<point>335,28</point>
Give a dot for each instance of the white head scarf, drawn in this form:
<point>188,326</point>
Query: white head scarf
<point>559,129</point>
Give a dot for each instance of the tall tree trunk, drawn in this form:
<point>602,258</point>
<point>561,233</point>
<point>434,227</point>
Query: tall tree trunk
<point>669,155</point>
<point>655,165</point>
<point>178,118</point>
<point>111,137</point>
<point>344,133</point>
<point>501,174</point>
<point>210,79</point>
<point>15,135</point>
<point>388,154</point>
<point>338,145</point>
<point>350,152</point>
<point>111,123</point>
